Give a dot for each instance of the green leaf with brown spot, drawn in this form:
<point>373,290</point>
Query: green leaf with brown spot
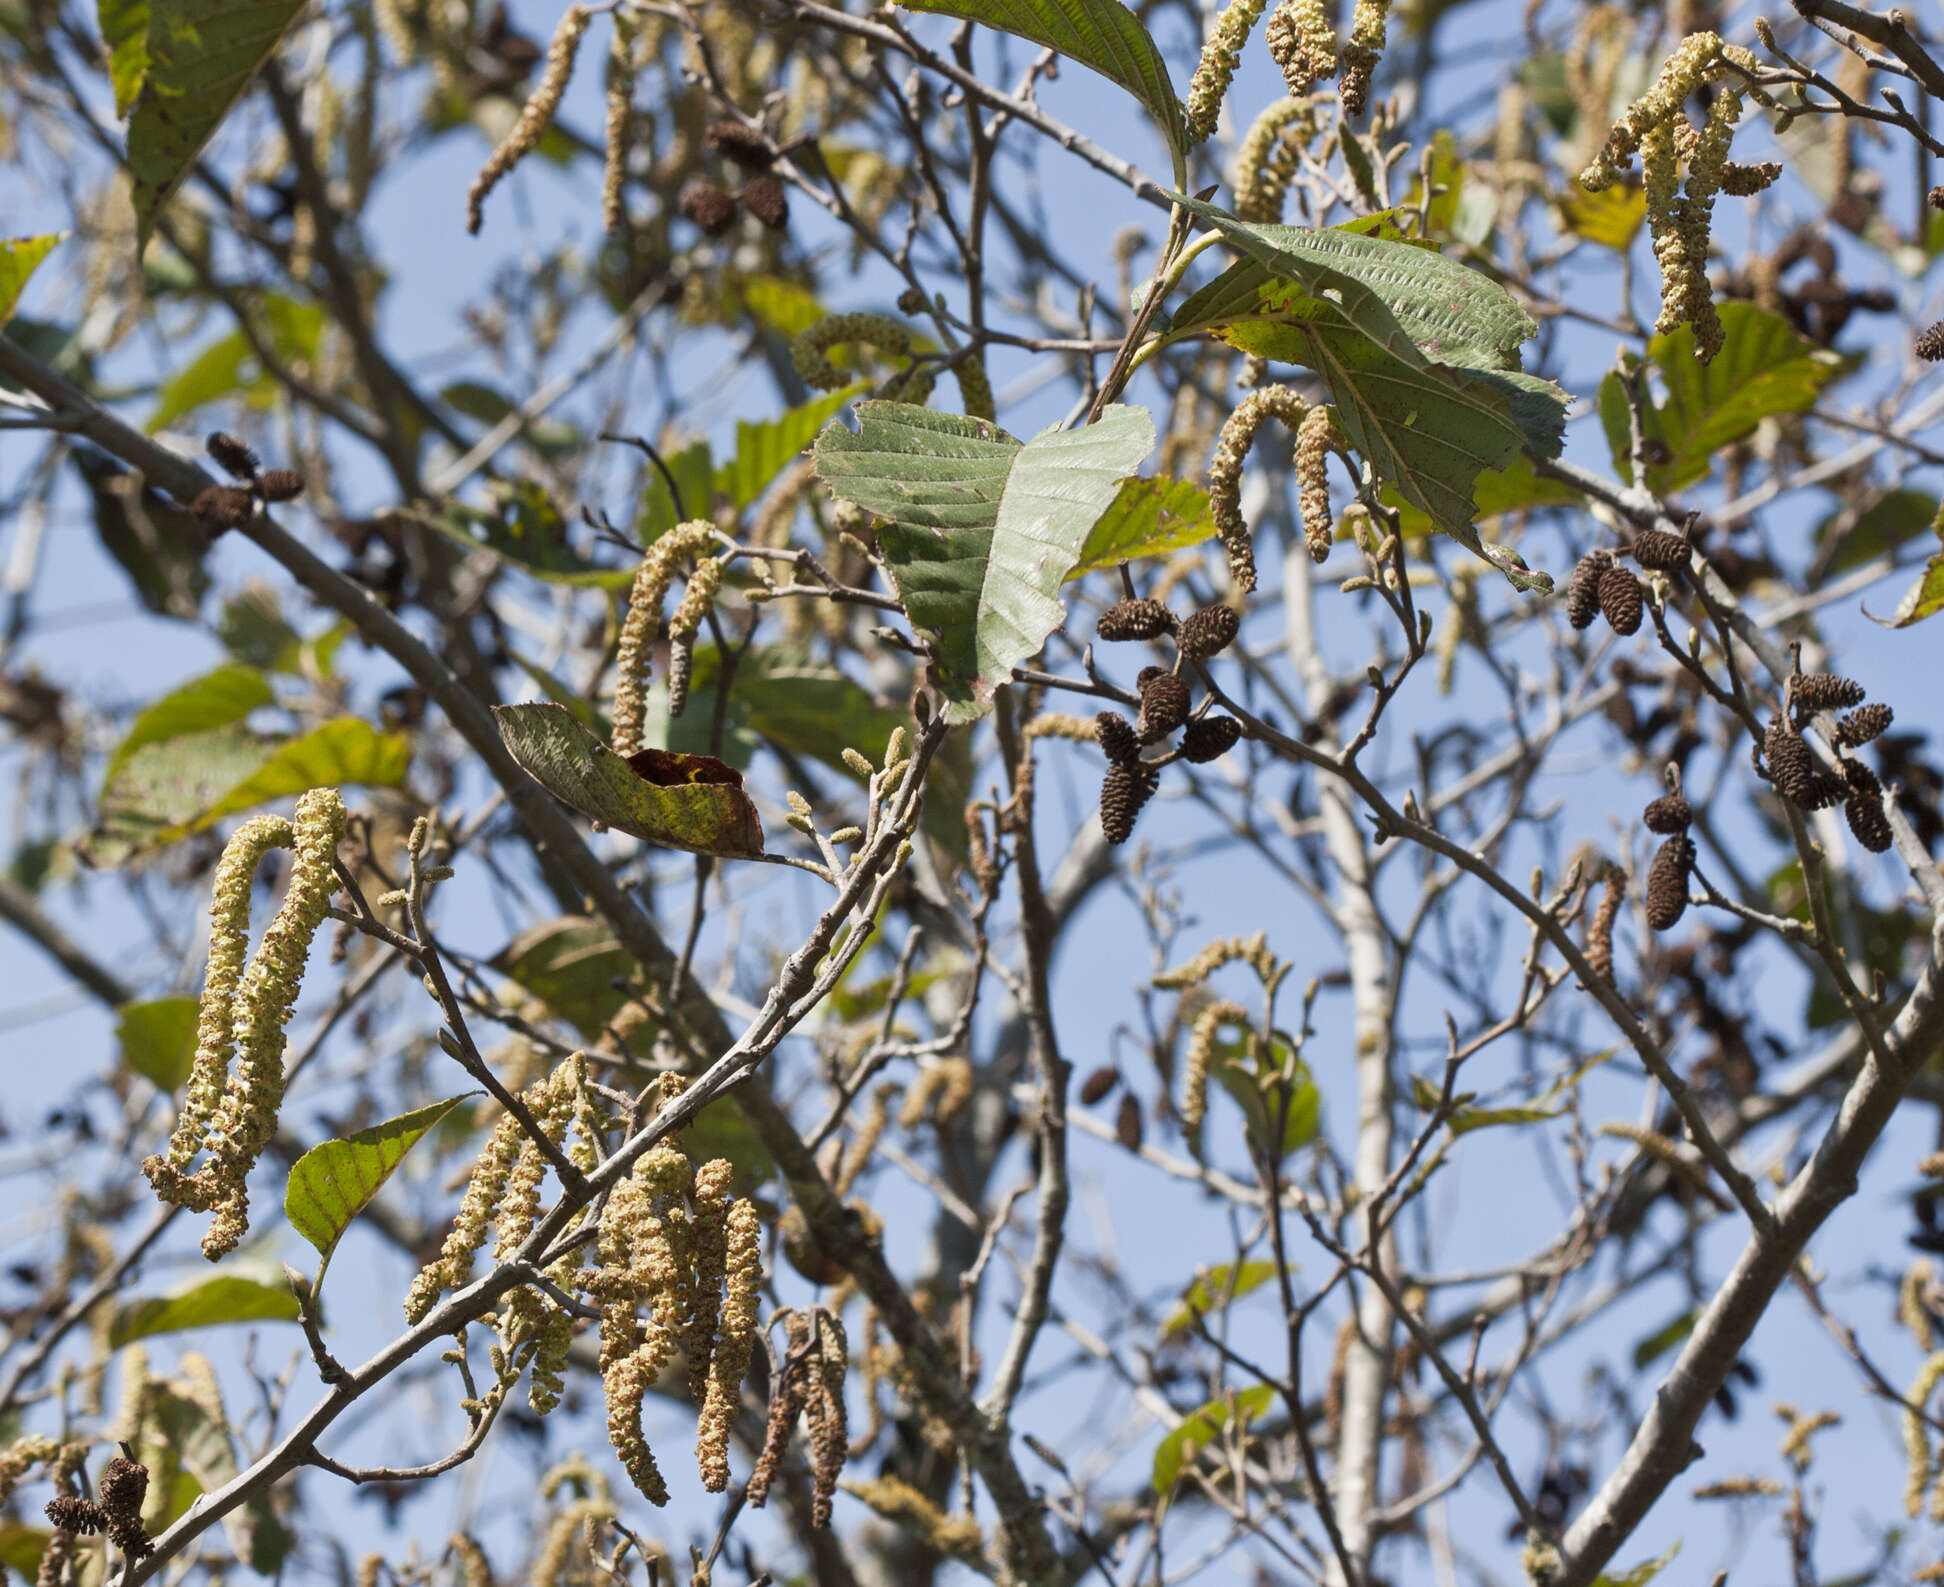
<point>692,802</point>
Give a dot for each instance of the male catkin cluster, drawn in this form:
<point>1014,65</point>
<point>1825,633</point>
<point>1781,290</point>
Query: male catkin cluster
<point>620,114</point>
<point>1220,55</point>
<point>645,597</point>
<point>1269,157</point>
<point>228,1116</point>
<point>810,352</point>
<point>1198,1062</point>
<point>1225,472</point>
<point>1599,931</point>
<point>809,1383</point>
<point>535,116</point>
<point>1314,438</point>
<point>1302,43</point>
<point>1362,51</point>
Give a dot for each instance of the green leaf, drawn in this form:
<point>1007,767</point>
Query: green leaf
<point>981,531</point>
<point>575,966</point>
<point>1926,597</point>
<point>694,472</point>
<point>1102,34</point>
<point>1640,1575</point>
<point>1464,1120</point>
<point>1202,1428</point>
<point>19,257</point>
<point>225,1298</point>
<point>124,35</point>
<point>216,699</point>
<point>349,750</point>
<point>1213,1290</point>
<point>1611,217</point>
<point>198,1437</point>
<point>21,1547</point>
<point>1256,1080</point>
<point>525,530</point>
<point>228,365</point>
<point>335,1180</point>
<point>764,450</point>
<point>1895,518</point>
<point>1663,1339</point>
<point>692,802</point>
<point>158,1040</point>
<point>1518,487</point>
<point>202,56</point>
<point>1148,518</point>
<point>161,786</point>
<point>1763,369</point>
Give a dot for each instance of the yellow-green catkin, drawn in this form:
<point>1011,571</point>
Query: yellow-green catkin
<point>1314,438</point>
<point>1912,1311</point>
<point>620,115</point>
<point>1917,1447</point>
<point>955,1536</point>
<point>1225,472</point>
<point>1696,60</point>
<point>452,1268</point>
<point>713,1181</point>
<point>1268,158</point>
<point>1253,951</point>
<point>535,116</point>
<point>1362,52</point>
<point>1303,43</point>
<point>645,597</point>
<point>1220,55</point>
<point>810,352</point>
<point>735,1341</point>
<point>20,1457</point>
<point>1199,1060</point>
<point>259,1004</point>
<point>975,387</point>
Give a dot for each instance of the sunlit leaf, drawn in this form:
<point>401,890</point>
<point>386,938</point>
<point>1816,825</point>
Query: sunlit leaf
<point>1640,1575</point>
<point>1148,518</point>
<point>202,56</point>
<point>1102,34</point>
<point>228,366</point>
<point>205,1303</point>
<point>216,699</point>
<point>336,755</point>
<point>1923,599</point>
<point>1611,217</point>
<point>19,256</point>
<point>1202,1428</point>
<point>1464,1120</point>
<point>764,450</point>
<point>693,469</point>
<point>158,1039</point>
<point>1663,1339</point>
<point>335,1180</point>
<point>161,787</point>
<point>1215,1289</point>
<point>692,802</point>
<point>124,36</point>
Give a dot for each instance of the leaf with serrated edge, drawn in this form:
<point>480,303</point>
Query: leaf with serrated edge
<point>1102,34</point>
<point>1149,517</point>
<point>335,1180</point>
<point>19,257</point>
<point>579,770</point>
<point>1059,486</point>
<point>202,56</point>
<point>764,450</point>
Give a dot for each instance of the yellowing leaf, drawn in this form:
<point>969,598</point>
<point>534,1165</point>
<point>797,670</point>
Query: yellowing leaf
<point>1215,1289</point>
<point>1611,217</point>
<point>1201,1429</point>
<point>335,755</point>
<point>19,256</point>
<point>1148,518</point>
<point>124,35</point>
<point>158,1040</point>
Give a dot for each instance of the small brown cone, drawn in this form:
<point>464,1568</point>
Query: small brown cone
<point>237,460</point>
<point>1791,765</point>
<point>1667,882</point>
<point>711,209</point>
<point>222,507</point>
<point>1116,736</point>
<point>1583,589</point>
<point>1164,706</point>
<point>280,484</point>
<point>1620,600</point>
<point>123,1487</point>
<point>1128,786</point>
<point>1209,632</point>
<point>1656,548</point>
<point>1930,346</point>
<point>733,141</point>
<point>72,1513</point>
<point>1668,814</point>
<point>1210,738</point>
<point>1825,691</point>
<point>1864,808</point>
<point>1098,1084</point>
<point>1863,724</point>
<point>1127,1122</point>
<point>1134,620</point>
<point>763,197</point>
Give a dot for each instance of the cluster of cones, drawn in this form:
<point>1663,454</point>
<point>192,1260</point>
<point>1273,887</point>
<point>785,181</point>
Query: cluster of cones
<point>712,208</point>
<point>228,506</point>
<point>1786,759</point>
<point>117,1511</point>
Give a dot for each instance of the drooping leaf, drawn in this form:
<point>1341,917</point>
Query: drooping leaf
<point>216,699</point>
<point>575,966</point>
<point>202,56</point>
<point>1923,599</point>
<point>124,35</point>
<point>1215,1289</point>
<point>1764,368</point>
<point>158,1039</point>
<point>19,256</point>
<point>1102,34</point>
<point>205,1303</point>
<point>692,802</point>
<point>335,1180</point>
<point>1895,518</point>
<point>1202,1428</point>
<point>1148,518</point>
<point>1060,485</point>
<point>158,544</point>
<point>764,450</point>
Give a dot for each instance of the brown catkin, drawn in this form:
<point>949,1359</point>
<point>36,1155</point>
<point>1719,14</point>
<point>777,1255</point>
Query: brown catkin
<point>122,1487</point>
<point>737,143</point>
<point>1620,601</point>
<point>711,210</point>
<point>1667,882</point>
<point>1302,43</point>
<point>1599,932</point>
<point>535,116</point>
<point>1209,631</point>
<point>743,1268</point>
<point>616,126</point>
<point>69,1512</point>
<point>1668,814</point>
<point>1134,620</point>
<point>1127,1122</point>
<point>829,1429</point>
<point>237,460</point>
<point>763,196</point>
<point>1210,738</point>
<point>1657,548</point>
<point>1116,736</point>
<point>1096,1086</point>
<point>789,1388</point>
<point>1164,705</point>
<point>1825,691</point>
<point>1863,724</point>
<point>280,484</point>
<point>1792,767</point>
<point>1232,445</point>
<point>1128,786</point>
<point>222,507</point>
<point>1583,588</point>
<point>1864,808</point>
